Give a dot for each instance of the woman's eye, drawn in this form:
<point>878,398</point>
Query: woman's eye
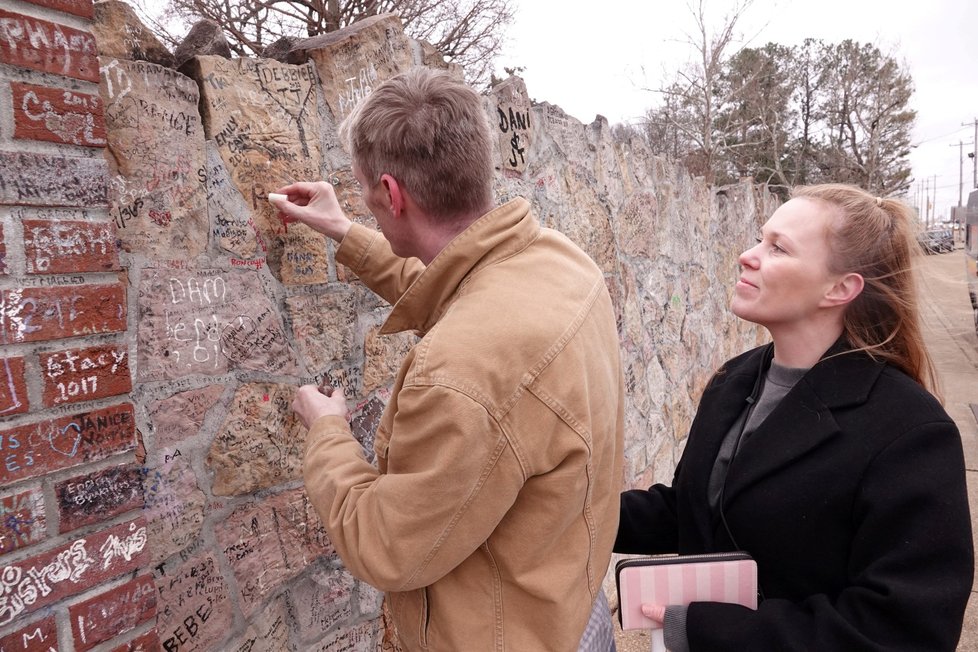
<point>777,248</point>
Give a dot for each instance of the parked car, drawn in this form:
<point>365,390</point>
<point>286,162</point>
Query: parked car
<point>936,241</point>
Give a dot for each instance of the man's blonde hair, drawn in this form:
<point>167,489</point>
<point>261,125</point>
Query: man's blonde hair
<point>429,131</point>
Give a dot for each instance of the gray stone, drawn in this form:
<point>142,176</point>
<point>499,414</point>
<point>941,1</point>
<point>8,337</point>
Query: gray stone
<point>120,34</point>
<point>205,38</point>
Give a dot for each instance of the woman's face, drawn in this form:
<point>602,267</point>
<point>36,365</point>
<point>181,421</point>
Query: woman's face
<point>785,276</point>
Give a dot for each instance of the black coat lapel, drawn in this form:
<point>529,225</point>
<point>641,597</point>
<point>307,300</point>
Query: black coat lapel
<point>803,420</point>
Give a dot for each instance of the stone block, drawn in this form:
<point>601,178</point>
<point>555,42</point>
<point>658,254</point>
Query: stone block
<point>321,600</point>
<point>270,542</point>
<point>179,417</point>
<point>369,599</point>
<point>48,47</point>
<point>382,356</point>
<point>50,313</point>
<point>3,253</point>
<point>232,224</point>
<point>207,321</point>
<point>146,642</point>
<point>364,424</point>
<point>268,631</point>
<point>98,496</point>
<point>269,139</point>
<point>39,636</point>
<point>356,59</point>
<point>324,326</point>
<point>260,443</point>
<point>52,180</point>
<point>174,507</point>
<point>363,636</point>
<point>121,35</point>
<point>22,521</point>
<point>40,448</point>
<point>81,8</point>
<point>194,611</point>
<point>57,115</point>
<point>205,38</point>
<point>112,613</point>
<point>75,375</point>
<point>13,387</point>
<point>512,124</point>
<point>156,140</point>
<point>69,246</point>
<point>70,569</point>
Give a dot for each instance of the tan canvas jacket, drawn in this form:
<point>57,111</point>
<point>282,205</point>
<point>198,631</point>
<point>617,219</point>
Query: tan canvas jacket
<point>491,518</point>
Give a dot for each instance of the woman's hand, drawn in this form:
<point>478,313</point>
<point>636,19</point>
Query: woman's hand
<point>656,612</point>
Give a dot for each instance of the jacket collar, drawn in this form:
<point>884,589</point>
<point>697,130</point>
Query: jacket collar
<point>804,419</point>
<point>498,234</point>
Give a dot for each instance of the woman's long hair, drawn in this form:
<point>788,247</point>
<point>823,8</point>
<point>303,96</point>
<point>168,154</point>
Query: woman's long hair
<point>876,238</point>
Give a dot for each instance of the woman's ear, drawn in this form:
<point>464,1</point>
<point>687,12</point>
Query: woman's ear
<point>845,289</point>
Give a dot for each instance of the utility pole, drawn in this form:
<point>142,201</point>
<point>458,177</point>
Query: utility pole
<point>973,155</point>
<point>960,170</point>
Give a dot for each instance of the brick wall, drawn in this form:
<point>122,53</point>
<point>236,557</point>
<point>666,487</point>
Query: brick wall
<point>72,533</point>
<point>156,318</point>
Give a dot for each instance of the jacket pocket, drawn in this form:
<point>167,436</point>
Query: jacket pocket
<point>410,610</point>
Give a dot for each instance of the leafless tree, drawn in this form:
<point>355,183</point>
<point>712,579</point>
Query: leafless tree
<point>693,106</point>
<point>467,32</point>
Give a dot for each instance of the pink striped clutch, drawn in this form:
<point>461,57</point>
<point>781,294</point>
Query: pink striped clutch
<point>681,579</point>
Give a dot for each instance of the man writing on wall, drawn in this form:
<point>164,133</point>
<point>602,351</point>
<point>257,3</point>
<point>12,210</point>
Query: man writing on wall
<point>491,516</point>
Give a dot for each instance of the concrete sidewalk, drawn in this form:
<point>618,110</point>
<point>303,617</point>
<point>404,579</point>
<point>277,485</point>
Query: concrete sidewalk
<point>950,335</point>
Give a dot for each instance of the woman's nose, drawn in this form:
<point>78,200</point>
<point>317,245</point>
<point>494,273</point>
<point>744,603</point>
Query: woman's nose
<point>749,257</point>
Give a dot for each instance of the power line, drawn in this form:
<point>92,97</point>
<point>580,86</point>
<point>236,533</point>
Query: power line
<point>927,140</point>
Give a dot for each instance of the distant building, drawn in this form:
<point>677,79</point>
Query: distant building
<point>971,224</point>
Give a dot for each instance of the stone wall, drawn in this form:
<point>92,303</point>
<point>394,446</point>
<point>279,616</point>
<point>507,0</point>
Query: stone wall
<point>156,318</point>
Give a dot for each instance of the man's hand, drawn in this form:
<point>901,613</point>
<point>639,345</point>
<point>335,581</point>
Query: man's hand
<point>310,403</point>
<point>314,204</point>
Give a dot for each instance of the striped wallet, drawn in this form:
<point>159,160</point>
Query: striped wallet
<point>681,579</point>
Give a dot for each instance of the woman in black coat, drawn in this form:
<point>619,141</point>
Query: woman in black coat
<point>823,454</point>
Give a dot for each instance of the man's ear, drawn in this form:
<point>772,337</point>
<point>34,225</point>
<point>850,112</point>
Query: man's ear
<point>395,194</point>
<point>845,290</point>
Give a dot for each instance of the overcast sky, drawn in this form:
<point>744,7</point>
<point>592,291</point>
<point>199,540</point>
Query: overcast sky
<point>594,58</point>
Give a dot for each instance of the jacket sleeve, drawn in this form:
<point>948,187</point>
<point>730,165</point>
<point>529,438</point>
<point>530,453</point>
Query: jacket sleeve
<point>451,477</point>
<point>369,255</point>
<point>647,522</point>
<point>911,565</point>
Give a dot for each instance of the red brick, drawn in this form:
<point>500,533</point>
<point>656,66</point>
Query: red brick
<point>58,115</point>
<point>39,636</point>
<point>22,521</point>
<point>51,313</point>
<point>85,374</point>
<point>70,569</point>
<point>70,246</point>
<point>13,387</point>
<point>148,642</point>
<point>83,8</point>
<point>112,613</point>
<point>48,47</point>
<point>98,496</point>
<point>40,448</point>
<point>28,179</point>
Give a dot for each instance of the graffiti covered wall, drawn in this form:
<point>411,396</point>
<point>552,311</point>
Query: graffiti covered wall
<point>157,317</point>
